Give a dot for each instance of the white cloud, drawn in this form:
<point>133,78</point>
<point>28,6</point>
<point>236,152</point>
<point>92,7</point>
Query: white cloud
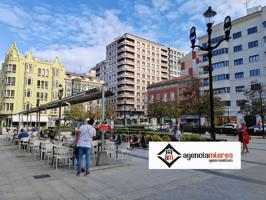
<point>162,5</point>
<point>12,16</point>
<point>73,57</point>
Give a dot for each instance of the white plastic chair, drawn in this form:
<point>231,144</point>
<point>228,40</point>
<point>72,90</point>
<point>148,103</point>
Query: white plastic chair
<point>110,149</point>
<point>125,150</point>
<point>23,142</point>
<point>34,146</point>
<point>46,150</point>
<point>61,153</point>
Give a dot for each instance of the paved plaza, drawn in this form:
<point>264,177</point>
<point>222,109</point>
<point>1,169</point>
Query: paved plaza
<point>131,179</point>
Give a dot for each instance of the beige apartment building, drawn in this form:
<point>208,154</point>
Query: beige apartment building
<point>76,83</point>
<point>175,56</point>
<point>24,81</point>
<point>132,63</point>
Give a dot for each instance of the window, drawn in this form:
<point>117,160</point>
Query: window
<point>11,68</point>
<point>205,82</point>
<point>221,90</point>
<point>172,96</point>
<point>237,48</point>
<point>252,30</point>
<point>9,93</point>
<point>27,93</point>
<point>238,61</point>
<point>39,72</point>
<point>254,72</point>
<point>237,35</point>
<point>240,88</point>
<point>220,51</point>
<point>264,38</point>
<point>165,97</point>
<point>205,58</point>
<point>221,77</point>
<point>264,24</point>
<point>151,99</point>
<point>226,103</point>
<point>220,64</point>
<point>254,58</point>
<point>10,80</point>
<point>9,106</point>
<point>253,44</point>
<point>29,81</point>
<point>217,39</point>
<point>239,75</point>
<point>240,102</point>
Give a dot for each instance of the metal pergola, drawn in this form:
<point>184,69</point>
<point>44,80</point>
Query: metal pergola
<point>89,95</point>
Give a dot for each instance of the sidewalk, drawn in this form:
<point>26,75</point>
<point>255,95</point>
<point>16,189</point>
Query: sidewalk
<point>132,180</point>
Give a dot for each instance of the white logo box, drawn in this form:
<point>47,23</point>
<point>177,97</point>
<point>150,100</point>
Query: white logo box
<point>221,155</point>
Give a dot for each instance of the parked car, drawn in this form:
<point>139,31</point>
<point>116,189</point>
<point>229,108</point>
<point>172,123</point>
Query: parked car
<point>229,125</point>
<point>255,129</point>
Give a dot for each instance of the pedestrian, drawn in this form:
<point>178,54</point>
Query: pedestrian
<point>177,134</point>
<point>84,142</point>
<point>245,138</point>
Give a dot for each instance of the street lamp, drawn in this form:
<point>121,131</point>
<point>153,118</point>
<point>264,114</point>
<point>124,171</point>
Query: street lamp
<point>209,15</point>
<point>60,95</point>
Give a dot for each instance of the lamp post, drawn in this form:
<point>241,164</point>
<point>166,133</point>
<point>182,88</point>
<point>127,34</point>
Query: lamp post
<point>60,95</point>
<point>209,14</point>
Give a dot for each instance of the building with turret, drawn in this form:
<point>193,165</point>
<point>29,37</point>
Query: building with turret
<point>27,79</point>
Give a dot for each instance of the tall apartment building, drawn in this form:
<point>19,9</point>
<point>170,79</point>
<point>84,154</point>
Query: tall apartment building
<point>24,79</point>
<point>174,62</point>
<point>132,63</point>
<point>239,62</point>
<point>99,69</point>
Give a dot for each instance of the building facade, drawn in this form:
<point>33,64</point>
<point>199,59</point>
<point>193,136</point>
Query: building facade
<point>132,63</point>
<point>238,62</point>
<point>174,62</point>
<point>189,64</point>
<point>27,79</point>
<point>76,83</point>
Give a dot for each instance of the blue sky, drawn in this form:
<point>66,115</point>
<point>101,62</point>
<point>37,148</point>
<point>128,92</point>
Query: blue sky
<point>77,31</point>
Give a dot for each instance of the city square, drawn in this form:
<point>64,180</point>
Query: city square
<point>131,84</point>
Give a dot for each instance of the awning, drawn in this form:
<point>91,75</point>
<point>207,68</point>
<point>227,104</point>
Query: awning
<point>89,95</point>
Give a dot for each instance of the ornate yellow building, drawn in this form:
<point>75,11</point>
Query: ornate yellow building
<point>25,79</point>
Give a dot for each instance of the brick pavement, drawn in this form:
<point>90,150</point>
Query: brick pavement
<point>131,180</point>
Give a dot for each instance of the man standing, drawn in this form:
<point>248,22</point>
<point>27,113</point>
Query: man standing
<point>84,139</point>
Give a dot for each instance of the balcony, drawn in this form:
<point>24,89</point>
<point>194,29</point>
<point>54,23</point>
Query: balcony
<point>127,100</point>
<point>125,48</point>
<point>125,40</point>
<point>126,81</point>
<point>125,61</point>
<point>126,88</point>
<point>125,68</point>
<point>125,55</point>
<point>126,95</point>
<point>122,75</point>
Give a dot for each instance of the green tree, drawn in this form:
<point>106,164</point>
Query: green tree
<point>110,112</point>
<point>255,102</point>
<point>196,102</point>
<point>76,113</point>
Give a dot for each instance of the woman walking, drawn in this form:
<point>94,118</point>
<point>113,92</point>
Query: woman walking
<point>245,138</point>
